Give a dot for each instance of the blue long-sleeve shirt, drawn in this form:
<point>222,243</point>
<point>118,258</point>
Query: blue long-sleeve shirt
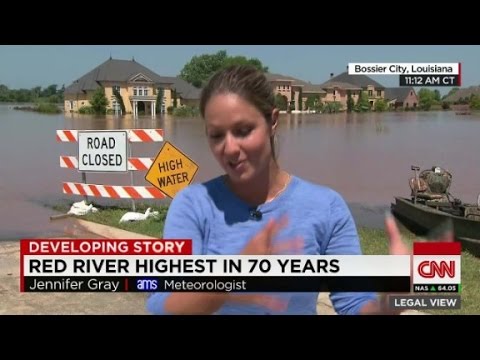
<point>220,223</point>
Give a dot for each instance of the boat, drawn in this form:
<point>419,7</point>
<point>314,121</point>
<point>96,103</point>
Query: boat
<point>431,208</point>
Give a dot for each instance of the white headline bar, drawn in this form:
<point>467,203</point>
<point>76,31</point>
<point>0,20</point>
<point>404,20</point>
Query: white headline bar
<point>211,265</point>
<point>404,68</point>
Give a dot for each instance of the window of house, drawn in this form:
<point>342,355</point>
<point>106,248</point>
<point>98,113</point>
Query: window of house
<point>370,92</point>
<point>379,92</point>
<point>140,91</point>
<point>116,88</point>
<point>115,105</point>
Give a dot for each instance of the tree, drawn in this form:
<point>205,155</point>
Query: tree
<point>4,91</point>
<point>381,105</point>
<point>451,92</point>
<point>426,98</point>
<point>350,101</point>
<point>119,100</point>
<point>313,103</point>
<point>475,102</point>
<point>99,101</point>
<point>200,68</point>
<point>363,105</point>
<point>36,91</point>
<point>175,98</point>
<point>50,90</point>
<point>159,103</point>
<point>281,102</point>
<point>242,60</point>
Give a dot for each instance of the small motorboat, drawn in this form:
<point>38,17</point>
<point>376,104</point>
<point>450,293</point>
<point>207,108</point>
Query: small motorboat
<point>431,207</point>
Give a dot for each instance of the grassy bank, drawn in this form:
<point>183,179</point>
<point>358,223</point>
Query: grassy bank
<point>43,107</point>
<point>373,241</point>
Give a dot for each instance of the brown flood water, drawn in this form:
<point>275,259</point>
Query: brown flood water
<point>365,157</point>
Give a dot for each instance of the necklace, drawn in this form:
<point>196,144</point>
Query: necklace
<point>279,192</point>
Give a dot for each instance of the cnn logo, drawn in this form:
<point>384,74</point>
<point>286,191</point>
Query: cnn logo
<point>436,263</point>
<point>430,268</point>
<point>436,270</point>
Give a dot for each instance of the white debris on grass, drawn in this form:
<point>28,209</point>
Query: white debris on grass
<point>137,216</point>
<point>81,208</point>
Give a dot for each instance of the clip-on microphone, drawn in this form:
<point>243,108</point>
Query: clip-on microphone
<point>255,214</point>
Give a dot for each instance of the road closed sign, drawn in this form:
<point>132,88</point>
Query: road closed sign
<point>102,151</point>
<point>171,170</point>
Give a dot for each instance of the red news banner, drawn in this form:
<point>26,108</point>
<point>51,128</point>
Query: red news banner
<point>125,265</point>
<point>48,265</point>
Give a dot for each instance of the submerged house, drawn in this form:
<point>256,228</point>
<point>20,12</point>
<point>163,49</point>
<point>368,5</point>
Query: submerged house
<point>294,91</point>
<point>401,97</point>
<point>127,81</point>
<point>339,87</point>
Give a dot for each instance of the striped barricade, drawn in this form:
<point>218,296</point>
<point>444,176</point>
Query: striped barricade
<point>134,164</point>
<point>134,135</point>
<point>113,191</point>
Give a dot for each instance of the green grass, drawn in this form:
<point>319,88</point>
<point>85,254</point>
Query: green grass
<point>375,242</point>
<point>110,216</point>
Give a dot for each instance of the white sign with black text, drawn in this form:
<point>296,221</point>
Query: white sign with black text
<point>102,151</point>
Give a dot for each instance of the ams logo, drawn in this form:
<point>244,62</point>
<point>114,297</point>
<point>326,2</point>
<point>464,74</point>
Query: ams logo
<point>146,284</point>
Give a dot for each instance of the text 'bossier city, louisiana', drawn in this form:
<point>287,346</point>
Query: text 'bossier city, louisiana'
<point>171,171</point>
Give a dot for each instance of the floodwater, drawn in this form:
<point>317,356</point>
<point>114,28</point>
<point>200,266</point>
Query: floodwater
<point>365,157</point>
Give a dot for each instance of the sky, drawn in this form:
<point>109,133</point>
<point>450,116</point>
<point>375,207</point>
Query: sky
<point>27,66</point>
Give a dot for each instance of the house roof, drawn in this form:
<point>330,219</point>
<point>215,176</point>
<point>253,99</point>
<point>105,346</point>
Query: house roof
<point>279,77</point>
<point>463,93</point>
<point>113,70</point>
<point>307,87</point>
<point>184,89</point>
<point>340,85</point>
<point>357,80</point>
<point>398,93</point>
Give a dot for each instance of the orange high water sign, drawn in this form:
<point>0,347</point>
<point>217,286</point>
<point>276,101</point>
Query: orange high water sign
<point>171,170</point>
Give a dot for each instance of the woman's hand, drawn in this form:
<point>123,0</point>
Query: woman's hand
<point>396,247</point>
<point>263,242</point>
<point>271,302</point>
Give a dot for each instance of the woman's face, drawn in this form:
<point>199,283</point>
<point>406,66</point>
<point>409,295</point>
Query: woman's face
<point>239,136</point>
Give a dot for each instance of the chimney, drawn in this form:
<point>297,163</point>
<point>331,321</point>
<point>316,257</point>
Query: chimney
<point>331,75</point>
